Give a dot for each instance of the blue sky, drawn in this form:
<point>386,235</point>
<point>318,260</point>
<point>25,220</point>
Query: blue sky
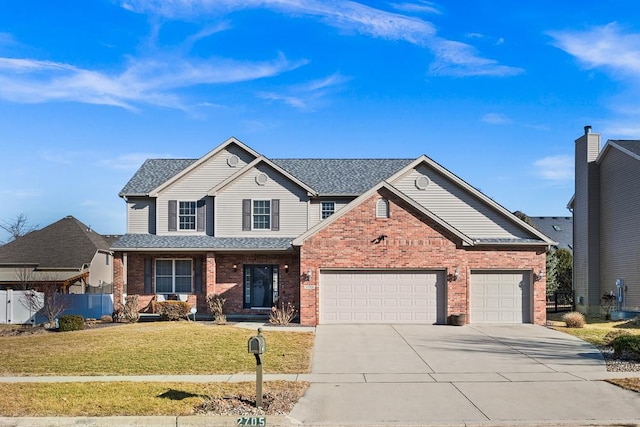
<point>496,91</point>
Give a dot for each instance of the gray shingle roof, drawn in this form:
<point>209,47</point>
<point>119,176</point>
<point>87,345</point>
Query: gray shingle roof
<point>341,176</point>
<point>150,241</point>
<point>67,243</point>
<point>557,228</point>
<point>326,176</point>
<point>152,173</point>
<point>629,144</point>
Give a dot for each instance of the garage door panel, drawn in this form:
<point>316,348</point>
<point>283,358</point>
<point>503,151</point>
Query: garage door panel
<point>383,297</point>
<point>500,297</point>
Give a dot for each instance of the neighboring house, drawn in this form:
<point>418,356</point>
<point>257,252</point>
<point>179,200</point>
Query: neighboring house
<point>606,208</point>
<point>557,228</point>
<point>344,240</point>
<point>66,254</point>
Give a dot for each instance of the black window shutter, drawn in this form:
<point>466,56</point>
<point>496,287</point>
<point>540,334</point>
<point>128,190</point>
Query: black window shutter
<point>198,269</point>
<point>147,275</point>
<point>173,215</point>
<point>201,210</point>
<point>246,214</point>
<point>275,214</point>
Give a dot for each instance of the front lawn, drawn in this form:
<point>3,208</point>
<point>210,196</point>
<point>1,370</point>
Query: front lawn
<point>158,348</point>
<point>100,399</point>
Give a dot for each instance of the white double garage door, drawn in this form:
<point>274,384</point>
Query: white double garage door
<point>411,296</point>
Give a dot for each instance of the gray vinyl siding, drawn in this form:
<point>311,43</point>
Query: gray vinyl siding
<point>458,207</point>
<point>619,231</point>
<point>315,207</point>
<point>293,204</point>
<point>141,216</point>
<point>195,186</point>
<point>586,218</point>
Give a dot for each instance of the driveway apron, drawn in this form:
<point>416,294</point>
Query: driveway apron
<point>428,374</point>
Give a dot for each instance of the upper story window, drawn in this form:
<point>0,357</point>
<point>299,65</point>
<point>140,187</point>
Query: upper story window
<point>327,209</point>
<point>382,208</point>
<point>262,214</point>
<point>187,216</point>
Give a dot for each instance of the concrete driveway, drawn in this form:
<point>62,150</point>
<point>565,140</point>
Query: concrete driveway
<point>425,374</point>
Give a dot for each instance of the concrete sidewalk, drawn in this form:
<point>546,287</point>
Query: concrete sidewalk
<point>423,375</point>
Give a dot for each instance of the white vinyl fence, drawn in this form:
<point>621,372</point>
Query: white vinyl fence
<point>16,309</point>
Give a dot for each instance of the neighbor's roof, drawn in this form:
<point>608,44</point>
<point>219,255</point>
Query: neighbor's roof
<point>67,243</point>
<point>131,242</point>
<point>330,177</point>
<point>558,228</point>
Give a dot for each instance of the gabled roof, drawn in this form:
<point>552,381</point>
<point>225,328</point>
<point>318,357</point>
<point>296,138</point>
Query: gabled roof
<point>630,147</point>
<point>299,241</point>
<point>152,174</point>
<point>254,164</point>
<point>65,244</point>
<point>156,174</point>
<point>558,228</point>
<point>342,177</point>
<point>479,195</point>
<point>146,242</point>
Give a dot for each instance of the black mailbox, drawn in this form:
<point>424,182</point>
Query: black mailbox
<point>257,345</point>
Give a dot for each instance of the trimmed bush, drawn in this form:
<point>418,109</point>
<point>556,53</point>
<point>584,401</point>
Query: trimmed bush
<point>173,310</point>
<point>626,345</point>
<point>608,339</point>
<point>216,308</point>
<point>70,322</point>
<point>574,319</point>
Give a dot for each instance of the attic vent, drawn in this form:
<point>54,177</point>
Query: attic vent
<point>261,178</point>
<point>557,228</point>
<point>233,161</point>
<point>422,182</point>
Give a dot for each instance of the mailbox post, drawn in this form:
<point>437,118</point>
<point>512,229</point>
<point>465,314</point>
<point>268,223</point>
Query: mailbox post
<point>257,345</point>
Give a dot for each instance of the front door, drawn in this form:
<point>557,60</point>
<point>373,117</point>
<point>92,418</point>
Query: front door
<point>260,286</point>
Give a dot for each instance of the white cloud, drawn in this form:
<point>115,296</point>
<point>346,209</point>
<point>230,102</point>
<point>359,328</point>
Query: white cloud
<point>495,119</point>
<point>462,60</point>
<point>7,39</point>
<point>605,46</point>
<point>555,168</point>
<point>306,96</point>
<point>420,7</point>
<point>452,58</point>
<point>148,81</point>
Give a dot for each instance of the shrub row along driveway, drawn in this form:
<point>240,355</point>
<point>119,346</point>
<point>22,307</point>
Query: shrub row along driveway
<point>426,374</point>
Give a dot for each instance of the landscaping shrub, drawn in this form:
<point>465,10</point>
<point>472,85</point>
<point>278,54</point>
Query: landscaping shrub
<point>282,315</point>
<point>70,322</point>
<point>173,310</point>
<point>574,319</point>
<point>130,310</point>
<point>216,307</point>
<point>626,345</point>
<point>608,339</point>
<point>106,319</point>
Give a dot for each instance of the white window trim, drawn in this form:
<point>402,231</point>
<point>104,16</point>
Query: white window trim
<point>173,275</point>
<point>322,209</point>
<point>195,216</point>
<point>253,214</point>
<point>384,204</point>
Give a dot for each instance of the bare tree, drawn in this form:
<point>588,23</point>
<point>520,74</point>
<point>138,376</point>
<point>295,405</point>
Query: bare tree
<point>17,227</point>
<point>47,301</point>
<point>25,276</point>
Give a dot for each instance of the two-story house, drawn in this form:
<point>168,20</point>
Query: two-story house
<point>344,240</point>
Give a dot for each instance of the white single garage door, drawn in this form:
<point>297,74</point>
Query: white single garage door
<point>382,297</point>
<point>500,297</point>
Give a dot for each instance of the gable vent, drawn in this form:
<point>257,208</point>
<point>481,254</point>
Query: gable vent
<point>422,182</point>
<point>233,161</point>
<point>261,178</point>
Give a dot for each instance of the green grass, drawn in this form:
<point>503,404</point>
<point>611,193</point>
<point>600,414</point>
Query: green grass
<point>159,348</point>
<point>100,399</point>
